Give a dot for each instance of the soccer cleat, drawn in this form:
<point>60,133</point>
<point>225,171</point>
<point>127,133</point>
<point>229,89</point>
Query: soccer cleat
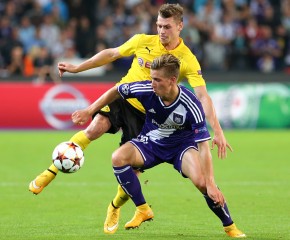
<point>112,220</point>
<point>41,181</point>
<point>234,232</point>
<point>140,217</point>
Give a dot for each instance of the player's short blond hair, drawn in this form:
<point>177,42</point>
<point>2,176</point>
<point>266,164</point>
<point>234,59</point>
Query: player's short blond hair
<point>171,10</point>
<point>168,63</point>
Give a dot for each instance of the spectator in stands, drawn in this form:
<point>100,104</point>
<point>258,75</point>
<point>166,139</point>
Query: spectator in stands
<point>218,49</point>
<point>5,35</point>
<point>267,51</point>
<point>15,66</point>
<point>258,9</point>
<point>26,33</point>
<point>202,18</point>
<point>208,16</point>
<point>44,67</point>
<point>282,39</point>
<point>191,35</point>
<point>58,8</point>
<point>102,10</point>
<point>100,35</point>
<point>239,53</point>
<point>121,16</point>
<point>270,18</point>
<point>49,32</point>
<point>112,32</point>
<point>286,15</point>
<point>198,5</point>
<point>84,38</point>
<point>35,13</point>
<point>253,33</point>
<point>65,44</point>
<point>12,12</point>
<point>142,16</point>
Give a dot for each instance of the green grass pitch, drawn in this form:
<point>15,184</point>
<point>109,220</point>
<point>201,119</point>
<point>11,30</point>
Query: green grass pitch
<point>255,179</point>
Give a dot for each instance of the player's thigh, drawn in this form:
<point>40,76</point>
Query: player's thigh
<point>98,126</point>
<point>132,122</point>
<point>191,168</point>
<point>127,154</point>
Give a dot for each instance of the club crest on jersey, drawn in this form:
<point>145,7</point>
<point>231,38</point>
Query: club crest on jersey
<point>125,89</point>
<point>140,61</point>
<point>177,118</point>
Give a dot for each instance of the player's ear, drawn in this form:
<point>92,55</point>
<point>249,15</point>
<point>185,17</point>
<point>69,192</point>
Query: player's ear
<point>180,26</point>
<point>174,80</point>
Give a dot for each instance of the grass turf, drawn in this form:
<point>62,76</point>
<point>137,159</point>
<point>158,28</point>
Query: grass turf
<point>255,179</point>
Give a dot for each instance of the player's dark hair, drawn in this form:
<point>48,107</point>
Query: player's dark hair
<point>168,63</point>
<point>171,10</point>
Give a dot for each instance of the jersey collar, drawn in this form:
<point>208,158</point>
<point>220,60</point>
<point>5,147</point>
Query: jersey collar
<point>165,50</point>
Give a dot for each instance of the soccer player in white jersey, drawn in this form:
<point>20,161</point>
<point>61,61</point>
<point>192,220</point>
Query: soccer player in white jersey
<point>174,132</point>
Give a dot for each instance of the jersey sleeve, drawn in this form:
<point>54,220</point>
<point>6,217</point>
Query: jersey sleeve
<point>129,48</point>
<point>201,132</point>
<point>193,73</point>
<point>137,90</point>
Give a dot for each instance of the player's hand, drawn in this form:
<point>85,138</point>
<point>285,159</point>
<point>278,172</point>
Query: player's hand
<point>80,117</point>
<point>216,195</point>
<point>65,67</point>
<point>222,145</point>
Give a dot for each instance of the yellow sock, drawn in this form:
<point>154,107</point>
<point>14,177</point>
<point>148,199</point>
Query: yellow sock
<point>46,176</point>
<point>53,168</point>
<point>121,197</point>
<point>81,139</point>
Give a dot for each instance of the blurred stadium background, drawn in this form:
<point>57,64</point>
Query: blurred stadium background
<point>242,45</point>
<point>244,49</point>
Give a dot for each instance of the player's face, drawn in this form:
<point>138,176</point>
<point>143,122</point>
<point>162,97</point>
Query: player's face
<point>161,84</point>
<point>168,30</point>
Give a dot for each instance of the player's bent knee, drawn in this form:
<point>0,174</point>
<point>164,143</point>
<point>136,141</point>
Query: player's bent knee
<point>99,125</point>
<point>118,159</point>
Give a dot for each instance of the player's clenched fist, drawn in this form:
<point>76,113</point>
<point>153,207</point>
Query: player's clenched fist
<point>80,117</point>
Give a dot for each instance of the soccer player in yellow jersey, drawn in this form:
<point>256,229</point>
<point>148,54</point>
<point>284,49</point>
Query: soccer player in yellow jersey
<point>129,115</point>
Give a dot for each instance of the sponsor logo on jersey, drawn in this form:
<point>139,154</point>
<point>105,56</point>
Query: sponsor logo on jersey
<point>148,49</point>
<point>166,126</point>
<point>151,110</point>
<point>125,89</point>
<point>148,64</point>
<point>106,109</point>
<point>140,61</point>
<point>177,118</point>
<point>200,130</point>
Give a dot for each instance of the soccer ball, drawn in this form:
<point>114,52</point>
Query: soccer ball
<point>68,157</point>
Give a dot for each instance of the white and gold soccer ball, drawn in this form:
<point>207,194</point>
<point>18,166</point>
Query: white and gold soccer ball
<point>68,157</point>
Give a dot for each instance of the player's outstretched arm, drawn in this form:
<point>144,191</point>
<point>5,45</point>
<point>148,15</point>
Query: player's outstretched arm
<point>103,57</point>
<point>219,138</point>
<point>80,117</point>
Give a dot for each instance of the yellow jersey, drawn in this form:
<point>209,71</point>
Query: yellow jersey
<point>147,47</point>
